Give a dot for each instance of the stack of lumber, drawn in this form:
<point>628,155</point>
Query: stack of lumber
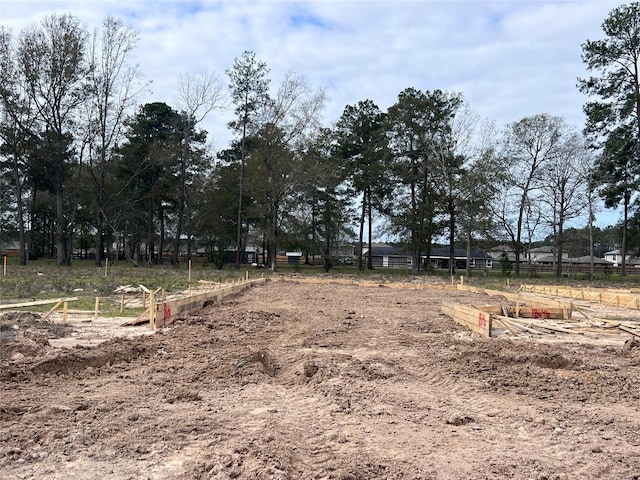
<point>495,320</point>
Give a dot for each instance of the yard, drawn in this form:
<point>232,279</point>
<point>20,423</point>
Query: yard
<point>293,380</point>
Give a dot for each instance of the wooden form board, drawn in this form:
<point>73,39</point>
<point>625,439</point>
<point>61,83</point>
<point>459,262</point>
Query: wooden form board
<point>473,318</point>
<point>337,281</point>
<point>167,312</point>
<point>616,298</point>
<point>528,311</point>
<point>8,306</point>
<point>522,298</point>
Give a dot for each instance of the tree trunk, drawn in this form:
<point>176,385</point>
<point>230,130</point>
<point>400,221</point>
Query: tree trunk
<point>150,244</point>
<point>61,239</point>
<point>274,238</point>
<point>161,241</point>
<point>452,246</point>
<point>559,249</point>
<point>100,247</point>
<point>176,243</point>
<point>361,234</point>
<point>625,223</point>
<point>240,193</point>
<point>370,257</point>
<point>468,267</point>
<point>20,212</point>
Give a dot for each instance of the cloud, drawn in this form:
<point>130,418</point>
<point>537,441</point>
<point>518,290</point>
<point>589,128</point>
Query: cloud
<point>509,58</point>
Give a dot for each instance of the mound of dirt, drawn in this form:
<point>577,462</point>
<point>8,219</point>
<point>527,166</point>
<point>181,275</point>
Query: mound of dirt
<point>23,334</point>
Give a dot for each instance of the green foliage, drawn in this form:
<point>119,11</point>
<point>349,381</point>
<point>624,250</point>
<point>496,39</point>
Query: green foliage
<point>613,116</point>
<point>361,144</point>
<point>249,86</point>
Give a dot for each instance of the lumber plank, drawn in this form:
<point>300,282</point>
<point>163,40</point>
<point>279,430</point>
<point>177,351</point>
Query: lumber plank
<point>546,326</point>
<point>138,320</point>
<point>632,331</point>
<point>36,303</point>
<point>51,310</point>
<point>540,312</point>
<point>518,325</point>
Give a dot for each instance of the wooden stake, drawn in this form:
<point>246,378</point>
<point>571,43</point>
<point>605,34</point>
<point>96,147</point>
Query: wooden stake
<point>55,307</point>
<point>95,311</point>
<point>189,271</point>
<point>65,311</point>
<point>121,303</point>
<point>152,311</point>
<point>461,279</point>
<point>4,270</point>
<point>106,267</point>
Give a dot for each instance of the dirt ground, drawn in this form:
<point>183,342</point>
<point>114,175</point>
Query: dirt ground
<point>301,381</point>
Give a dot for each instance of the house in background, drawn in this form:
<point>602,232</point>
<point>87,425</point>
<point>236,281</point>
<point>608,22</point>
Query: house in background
<point>586,262</point>
<point>479,259</point>
<point>615,257</point>
<point>545,255</point>
<point>498,252</point>
<point>385,255</point>
<point>344,250</point>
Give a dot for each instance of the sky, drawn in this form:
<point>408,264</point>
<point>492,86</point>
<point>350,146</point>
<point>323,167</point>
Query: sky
<point>510,59</point>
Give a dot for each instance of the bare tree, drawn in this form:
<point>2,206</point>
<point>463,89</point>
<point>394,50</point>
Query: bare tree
<point>198,95</point>
<point>565,188</point>
<point>114,84</point>
<point>527,145</point>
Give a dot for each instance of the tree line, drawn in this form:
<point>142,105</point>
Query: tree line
<point>84,166</point>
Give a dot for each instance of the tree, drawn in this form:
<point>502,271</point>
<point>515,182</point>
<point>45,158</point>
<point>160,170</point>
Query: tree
<point>18,121</point>
<point>51,60</point>
<point>564,188</point>
<point>452,153</point>
<point>276,154</point>
<point>411,124</point>
<point>323,208</point>
<point>271,176</point>
<point>199,94</point>
<point>362,145</point>
<point>527,146</point>
<point>249,87</point>
<point>113,87</point>
<point>479,186</point>
<point>215,210</point>
<point>148,167</point>
<point>613,119</point>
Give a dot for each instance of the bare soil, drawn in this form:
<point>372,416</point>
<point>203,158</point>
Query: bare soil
<point>318,381</point>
